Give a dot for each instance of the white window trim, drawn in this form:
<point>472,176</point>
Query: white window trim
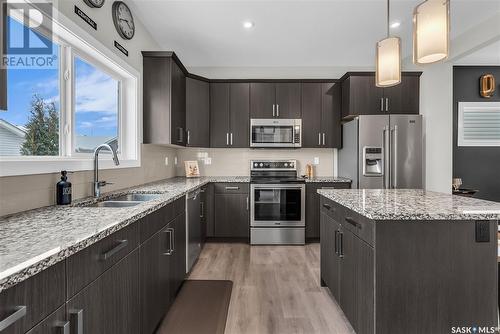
<point>475,106</point>
<point>130,119</point>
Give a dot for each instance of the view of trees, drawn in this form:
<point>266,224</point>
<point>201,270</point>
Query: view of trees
<point>42,129</point>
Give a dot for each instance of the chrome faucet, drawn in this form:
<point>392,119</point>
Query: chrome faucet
<point>98,184</point>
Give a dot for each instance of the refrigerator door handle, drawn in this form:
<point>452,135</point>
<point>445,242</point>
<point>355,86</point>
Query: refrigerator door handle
<point>394,157</point>
<point>386,168</point>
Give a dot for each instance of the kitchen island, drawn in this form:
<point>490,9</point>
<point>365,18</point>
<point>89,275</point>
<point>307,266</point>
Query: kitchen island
<point>410,261</point>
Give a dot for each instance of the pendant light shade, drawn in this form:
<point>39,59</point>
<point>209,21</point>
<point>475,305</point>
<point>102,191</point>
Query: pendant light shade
<point>388,62</point>
<point>431,30</point>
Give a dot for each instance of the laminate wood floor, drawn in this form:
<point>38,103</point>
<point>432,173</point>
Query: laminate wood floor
<point>276,289</point>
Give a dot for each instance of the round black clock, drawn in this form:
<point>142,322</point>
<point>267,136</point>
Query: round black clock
<point>123,20</point>
<point>94,3</point>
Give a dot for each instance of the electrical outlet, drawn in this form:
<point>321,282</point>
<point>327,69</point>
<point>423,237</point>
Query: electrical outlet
<point>316,160</point>
<point>166,161</point>
<point>208,161</point>
<point>175,160</point>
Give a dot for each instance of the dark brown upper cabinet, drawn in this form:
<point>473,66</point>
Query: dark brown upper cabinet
<point>360,95</point>
<point>321,104</point>
<point>229,114</point>
<point>197,113</point>
<point>275,100</point>
<point>164,99</point>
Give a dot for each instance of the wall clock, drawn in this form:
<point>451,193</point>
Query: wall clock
<point>123,20</point>
<point>94,3</point>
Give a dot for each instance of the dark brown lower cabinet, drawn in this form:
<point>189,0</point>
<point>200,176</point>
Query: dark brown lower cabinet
<point>231,207</point>
<point>55,323</point>
<point>312,205</point>
<point>179,225</point>
<point>109,305</point>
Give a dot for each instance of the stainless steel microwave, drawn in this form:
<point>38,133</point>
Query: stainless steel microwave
<point>276,133</point>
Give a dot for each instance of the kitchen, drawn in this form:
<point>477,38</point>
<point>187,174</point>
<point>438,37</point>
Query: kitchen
<point>256,191</point>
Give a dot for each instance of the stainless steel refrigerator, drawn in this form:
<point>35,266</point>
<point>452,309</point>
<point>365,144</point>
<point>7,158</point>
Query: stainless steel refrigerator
<point>382,152</point>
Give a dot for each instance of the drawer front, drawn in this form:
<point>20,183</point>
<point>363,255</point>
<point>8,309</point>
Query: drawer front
<point>179,206</point>
<point>361,226</point>
<point>155,221</point>
<point>238,188</point>
<point>54,324</point>
<point>331,208</point>
<point>27,303</point>
<point>89,263</point>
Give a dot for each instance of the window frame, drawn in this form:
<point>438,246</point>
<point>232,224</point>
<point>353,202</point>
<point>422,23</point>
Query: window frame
<point>73,40</point>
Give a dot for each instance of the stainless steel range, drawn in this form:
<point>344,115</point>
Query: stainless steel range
<point>277,203</point>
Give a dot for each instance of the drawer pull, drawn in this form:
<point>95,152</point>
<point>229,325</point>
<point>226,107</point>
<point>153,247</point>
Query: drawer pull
<point>328,207</point>
<point>232,188</point>
<point>170,233</point>
<point>353,222</point>
<point>122,244</point>
<point>341,244</point>
<point>64,327</point>
<point>76,320</point>
<point>20,312</point>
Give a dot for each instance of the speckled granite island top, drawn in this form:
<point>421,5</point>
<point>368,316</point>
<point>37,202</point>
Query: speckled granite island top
<point>33,240</point>
<point>412,204</point>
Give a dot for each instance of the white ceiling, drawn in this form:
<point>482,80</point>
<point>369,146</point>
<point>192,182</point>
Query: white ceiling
<point>288,33</point>
<point>489,55</point>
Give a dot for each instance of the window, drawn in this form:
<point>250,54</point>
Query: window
<point>57,115</point>
<point>479,124</point>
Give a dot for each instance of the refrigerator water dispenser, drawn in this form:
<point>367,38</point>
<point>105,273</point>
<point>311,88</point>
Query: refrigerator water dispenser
<point>373,161</point>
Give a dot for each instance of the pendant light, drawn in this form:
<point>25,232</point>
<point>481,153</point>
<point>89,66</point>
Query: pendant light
<point>431,31</point>
<point>388,60</point>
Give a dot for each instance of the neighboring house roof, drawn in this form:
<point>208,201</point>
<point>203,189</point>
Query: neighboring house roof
<point>16,130</point>
<point>87,144</point>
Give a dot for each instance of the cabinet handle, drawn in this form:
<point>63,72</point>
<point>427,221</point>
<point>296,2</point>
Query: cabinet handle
<point>180,137</point>
<point>121,245</point>
<point>202,209</point>
<point>63,327</point>
<point>341,244</point>
<point>227,138</point>
<point>188,136</point>
<point>76,321</point>
<point>274,106</point>
<point>319,138</point>
<point>170,250</point>
<point>381,104</point>
<point>328,207</point>
<point>336,242</point>
<point>231,139</point>
<point>278,110</point>
<point>19,312</point>
<point>232,188</point>
<point>247,204</point>
<point>323,138</point>
<point>387,104</point>
<point>353,222</point>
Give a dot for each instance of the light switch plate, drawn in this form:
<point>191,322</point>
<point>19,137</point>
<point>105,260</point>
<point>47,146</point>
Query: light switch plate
<point>166,161</point>
<point>316,160</point>
<point>175,160</point>
<point>208,161</point>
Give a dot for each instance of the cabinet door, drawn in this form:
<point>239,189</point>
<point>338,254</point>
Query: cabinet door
<point>179,246</point>
<point>219,115</point>
<point>365,298</point>
<point>156,263</point>
<point>330,261</point>
<point>312,211</point>
<point>203,215</point>
<point>311,112</point>
<point>53,324</point>
<point>110,305</point>
<point>178,105</point>
<point>288,100</point>
<point>197,113</point>
<point>403,98</point>
<point>360,96</point>
<point>348,276</point>
<point>330,115</point>
<point>231,215</point>
<point>209,210</point>
<point>240,115</point>
<point>262,100</point>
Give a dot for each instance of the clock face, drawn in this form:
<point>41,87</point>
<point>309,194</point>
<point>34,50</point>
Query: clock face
<point>123,20</point>
<point>94,3</point>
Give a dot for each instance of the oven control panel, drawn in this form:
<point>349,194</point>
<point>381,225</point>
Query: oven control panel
<point>273,165</point>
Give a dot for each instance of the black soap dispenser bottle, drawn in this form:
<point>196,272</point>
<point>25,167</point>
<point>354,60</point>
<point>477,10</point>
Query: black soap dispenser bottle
<point>63,190</point>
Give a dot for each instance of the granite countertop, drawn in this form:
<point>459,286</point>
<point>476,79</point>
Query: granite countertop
<point>33,240</point>
<point>412,204</point>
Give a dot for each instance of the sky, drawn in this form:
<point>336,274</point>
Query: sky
<point>96,95</point>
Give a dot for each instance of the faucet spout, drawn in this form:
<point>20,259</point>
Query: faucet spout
<point>98,184</point>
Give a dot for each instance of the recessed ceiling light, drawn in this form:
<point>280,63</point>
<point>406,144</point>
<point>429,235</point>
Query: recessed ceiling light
<point>248,24</point>
<point>395,24</point>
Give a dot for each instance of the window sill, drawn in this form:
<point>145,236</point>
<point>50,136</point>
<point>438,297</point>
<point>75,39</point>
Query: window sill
<point>46,165</point>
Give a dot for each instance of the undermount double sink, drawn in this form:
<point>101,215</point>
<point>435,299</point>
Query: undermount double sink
<point>125,201</point>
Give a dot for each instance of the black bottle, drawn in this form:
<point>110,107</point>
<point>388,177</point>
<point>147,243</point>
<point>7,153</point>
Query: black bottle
<point>63,190</point>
